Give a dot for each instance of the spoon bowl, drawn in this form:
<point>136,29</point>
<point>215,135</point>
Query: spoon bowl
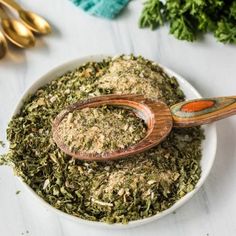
<point>17,33</point>
<point>156,115</point>
<point>35,22</point>
<point>3,45</point>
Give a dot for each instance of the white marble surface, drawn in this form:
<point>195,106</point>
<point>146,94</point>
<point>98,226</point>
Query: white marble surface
<point>208,65</point>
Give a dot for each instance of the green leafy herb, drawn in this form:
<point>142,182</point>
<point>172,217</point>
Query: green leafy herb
<point>189,18</point>
<point>226,32</point>
<point>153,14</point>
<point>2,144</point>
<point>112,191</point>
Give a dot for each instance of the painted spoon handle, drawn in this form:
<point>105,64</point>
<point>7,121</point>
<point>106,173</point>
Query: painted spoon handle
<point>202,111</point>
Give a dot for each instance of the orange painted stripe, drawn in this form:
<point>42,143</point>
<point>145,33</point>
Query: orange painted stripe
<point>197,106</point>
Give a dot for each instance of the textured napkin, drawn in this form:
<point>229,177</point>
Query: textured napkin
<point>102,8</point>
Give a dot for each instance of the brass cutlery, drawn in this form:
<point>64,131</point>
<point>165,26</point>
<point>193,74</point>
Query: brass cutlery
<point>3,45</point>
<point>15,31</point>
<point>20,33</point>
<point>32,20</point>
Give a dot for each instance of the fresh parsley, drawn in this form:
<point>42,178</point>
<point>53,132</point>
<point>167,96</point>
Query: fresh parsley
<point>190,18</point>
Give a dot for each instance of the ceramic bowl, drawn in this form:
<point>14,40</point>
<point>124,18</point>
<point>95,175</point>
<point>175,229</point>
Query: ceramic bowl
<point>208,146</point>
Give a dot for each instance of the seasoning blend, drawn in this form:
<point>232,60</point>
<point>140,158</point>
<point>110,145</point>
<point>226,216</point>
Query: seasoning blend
<point>112,191</point>
<point>101,129</point>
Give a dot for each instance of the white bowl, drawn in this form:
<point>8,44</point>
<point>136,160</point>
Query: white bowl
<point>208,146</point>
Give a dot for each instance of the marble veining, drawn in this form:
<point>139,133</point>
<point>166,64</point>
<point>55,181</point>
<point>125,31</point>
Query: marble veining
<point>208,65</point>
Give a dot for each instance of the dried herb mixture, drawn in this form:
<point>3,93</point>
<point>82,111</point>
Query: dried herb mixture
<point>101,129</point>
<point>113,191</point>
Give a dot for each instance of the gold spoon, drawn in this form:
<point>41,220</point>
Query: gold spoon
<point>33,21</point>
<point>3,45</point>
<point>158,117</point>
<point>16,32</point>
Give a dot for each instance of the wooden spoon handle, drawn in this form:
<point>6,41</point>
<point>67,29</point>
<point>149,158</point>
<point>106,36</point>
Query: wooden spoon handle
<point>202,111</point>
<point>12,4</point>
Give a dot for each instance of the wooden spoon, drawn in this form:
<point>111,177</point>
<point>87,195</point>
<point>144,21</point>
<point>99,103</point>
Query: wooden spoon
<point>158,116</point>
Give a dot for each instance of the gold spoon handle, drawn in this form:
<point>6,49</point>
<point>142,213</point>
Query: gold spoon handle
<point>32,20</point>
<point>3,45</point>
<point>12,4</point>
<point>3,14</point>
<point>203,111</point>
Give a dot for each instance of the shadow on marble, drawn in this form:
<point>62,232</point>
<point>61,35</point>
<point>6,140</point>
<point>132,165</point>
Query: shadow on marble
<point>125,13</point>
<point>55,31</point>
<point>223,172</point>
<point>14,54</point>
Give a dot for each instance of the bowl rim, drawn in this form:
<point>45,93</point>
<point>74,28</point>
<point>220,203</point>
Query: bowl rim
<point>60,70</point>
